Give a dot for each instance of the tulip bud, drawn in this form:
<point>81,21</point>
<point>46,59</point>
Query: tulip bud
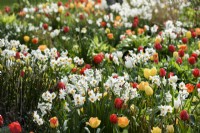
<point>54,122</point>
<point>184,115</point>
<point>148,91</point>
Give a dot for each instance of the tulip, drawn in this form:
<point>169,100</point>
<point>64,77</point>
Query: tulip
<point>142,85</point>
<point>181,53</point>
<point>171,48</point>
<point>54,122</point>
<point>162,72</point>
<point>123,122</point>
<point>192,60</point>
<point>147,73</point>
<point>42,47</point>
<point>148,91</point>
<point>184,40</point>
<point>118,103</point>
<point>110,36</point>
<point>15,127</point>
<point>26,38</point>
<point>156,130</point>
<point>170,129</point>
<point>1,120</point>
<point>184,115</point>
<point>94,122</point>
<point>113,118</point>
<point>188,34</point>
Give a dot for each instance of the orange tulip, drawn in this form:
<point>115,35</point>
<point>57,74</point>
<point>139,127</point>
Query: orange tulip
<point>123,122</point>
<point>190,87</point>
<point>140,31</point>
<point>183,47</point>
<point>110,36</point>
<point>197,30</point>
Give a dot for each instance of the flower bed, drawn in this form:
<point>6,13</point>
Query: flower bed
<point>85,66</point>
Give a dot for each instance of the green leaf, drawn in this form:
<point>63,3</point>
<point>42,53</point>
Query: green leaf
<point>125,131</point>
<point>189,130</point>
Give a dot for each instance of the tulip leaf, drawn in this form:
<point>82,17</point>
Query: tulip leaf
<point>125,131</point>
<point>98,130</point>
<point>189,130</point>
<point>88,131</point>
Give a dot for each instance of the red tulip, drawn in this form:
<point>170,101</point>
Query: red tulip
<point>157,46</point>
<point>179,61</point>
<point>171,48</point>
<point>88,66</point>
<point>198,86</point>
<point>61,85</point>
<point>194,34</point>
<point>181,53</point>
<point>184,40</point>
<point>103,24</point>
<point>196,72</point>
<point>66,29</point>
<point>98,58</point>
<point>45,26</point>
<point>195,56</point>
<point>59,3</point>
<point>113,118</point>
<point>118,103</point>
<point>35,40</point>
<point>17,55</point>
<point>15,127</point>
<point>7,9</point>
<point>184,115</point>
<point>83,70</point>
<point>81,16</point>
<point>192,60</point>
<point>134,85</point>
<point>1,120</point>
<point>162,72</point>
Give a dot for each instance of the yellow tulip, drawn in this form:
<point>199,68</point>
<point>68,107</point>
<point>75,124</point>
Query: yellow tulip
<point>142,85</point>
<point>26,38</point>
<point>170,129</point>
<point>147,73</point>
<point>175,54</point>
<point>118,18</point>
<point>54,122</point>
<point>148,90</point>
<point>123,122</point>
<point>60,10</point>
<point>156,130</point>
<point>71,5</point>
<point>94,122</point>
<point>188,34</point>
<point>158,39</point>
<point>153,71</point>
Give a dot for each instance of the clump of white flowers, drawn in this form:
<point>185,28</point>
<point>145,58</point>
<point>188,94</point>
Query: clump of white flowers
<point>133,59</point>
<point>165,109</point>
